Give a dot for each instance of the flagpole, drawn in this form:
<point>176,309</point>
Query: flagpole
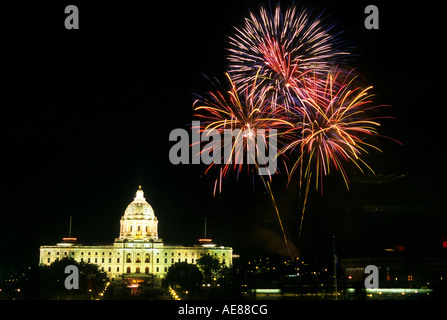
<point>335,267</point>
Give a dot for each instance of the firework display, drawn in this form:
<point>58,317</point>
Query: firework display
<point>287,72</point>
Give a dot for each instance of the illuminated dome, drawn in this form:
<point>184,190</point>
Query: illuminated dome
<point>139,221</point>
<point>139,208</point>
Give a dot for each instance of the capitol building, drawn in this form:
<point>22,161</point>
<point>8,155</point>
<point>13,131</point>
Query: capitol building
<point>138,251</point>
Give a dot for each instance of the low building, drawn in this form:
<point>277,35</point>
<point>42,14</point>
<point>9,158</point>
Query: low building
<point>138,251</point>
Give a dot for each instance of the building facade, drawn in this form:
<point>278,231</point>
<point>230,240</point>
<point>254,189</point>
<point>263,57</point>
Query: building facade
<point>138,251</point>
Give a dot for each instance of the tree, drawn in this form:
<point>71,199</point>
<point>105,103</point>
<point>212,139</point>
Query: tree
<point>210,266</point>
<point>47,282</point>
<point>186,275</point>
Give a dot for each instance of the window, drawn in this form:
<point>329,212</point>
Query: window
<point>110,269</point>
<point>117,260</point>
<point>110,260</point>
<point>129,258</point>
<point>172,260</point>
<point>158,260</point>
<point>166,260</point>
<point>88,260</point>
<point>96,260</point>
<point>410,277</point>
<point>96,253</point>
<point>103,253</point>
<point>137,270</point>
<point>49,259</point>
<point>128,269</point>
<point>102,260</point>
<point>147,258</point>
<point>49,252</point>
<point>117,269</point>
<point>146,270</point>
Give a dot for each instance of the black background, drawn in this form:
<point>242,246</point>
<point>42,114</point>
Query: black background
<point>86,116</point>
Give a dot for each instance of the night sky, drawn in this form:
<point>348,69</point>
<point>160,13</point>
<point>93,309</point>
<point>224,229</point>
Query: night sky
<point>86,116</point>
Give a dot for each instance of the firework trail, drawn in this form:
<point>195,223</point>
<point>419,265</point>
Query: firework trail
<point>283,48</point>
<point>334,122</point>
<point>246,114</point>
